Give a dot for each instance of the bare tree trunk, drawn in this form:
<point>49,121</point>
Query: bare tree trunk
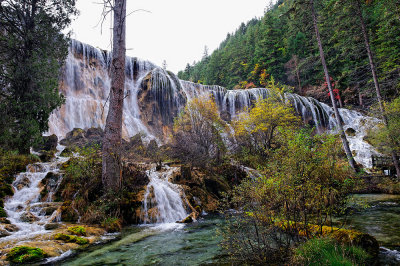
<point>328,80</point>
<point>376,83</point>
<point>296,65</point>
<point>112,170</point>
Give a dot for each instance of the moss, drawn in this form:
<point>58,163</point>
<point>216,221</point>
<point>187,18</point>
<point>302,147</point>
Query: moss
<point>2,213</point>
<point>77,230</point>
<point>71,239</point>
<point>25,254</point>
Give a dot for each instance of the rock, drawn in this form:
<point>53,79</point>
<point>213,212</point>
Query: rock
<point>49,143</point>
<point>28,217</point>
<point>186,172</point>
<point>350,132</point>
<point>46,156</point>
<point>24,182</point>
<point>11,228</point>
<point>187,220</point>
<point>51,226</point>
<point>4,220</point>
<point>4,233</point>
<point>49,210</point>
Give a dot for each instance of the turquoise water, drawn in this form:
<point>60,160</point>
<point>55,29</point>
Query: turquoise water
<point>171,244</point>
<point>197,243</point>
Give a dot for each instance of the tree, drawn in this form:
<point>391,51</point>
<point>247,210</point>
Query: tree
<point>332,96</point>
<point>112,141</point>
<point>257,127</point>
<point>197,132</point>
<point>376,82</point>
<point>302,187</point>
<point>32,51</point>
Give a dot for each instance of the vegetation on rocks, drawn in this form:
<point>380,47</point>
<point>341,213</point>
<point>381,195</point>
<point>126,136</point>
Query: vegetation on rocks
<point>71,239</point>
<point>25,254</point>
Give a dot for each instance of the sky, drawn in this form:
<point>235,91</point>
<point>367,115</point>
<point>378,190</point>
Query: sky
<point>172,30</point>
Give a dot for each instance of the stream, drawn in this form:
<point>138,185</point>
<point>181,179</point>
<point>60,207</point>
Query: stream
<point>197,243</point>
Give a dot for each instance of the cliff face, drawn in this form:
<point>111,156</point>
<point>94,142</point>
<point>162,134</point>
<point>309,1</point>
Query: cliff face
<point>155,96</point>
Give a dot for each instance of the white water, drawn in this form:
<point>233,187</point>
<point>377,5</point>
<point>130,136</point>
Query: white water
<point>86,84</point>
<point>165,196</point>
<point>26,199</point>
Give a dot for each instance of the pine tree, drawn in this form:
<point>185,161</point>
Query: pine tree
<point>32,51</point>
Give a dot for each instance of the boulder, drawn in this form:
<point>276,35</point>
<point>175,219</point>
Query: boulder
<point>28,217</point>
<point>350,132</point>
<point>4,233</point>
<point>49,143</point>
<point>51,226</point>
<point>11,228</point>
<point>24,182</point>
<point>4,220</point>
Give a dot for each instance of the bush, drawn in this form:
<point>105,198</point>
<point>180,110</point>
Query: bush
<point>326,251</point>
<point>305,182</point>
<point>2,213</point>
<point>112,224</point>
<point>25,254</point>
<point>77,230</point>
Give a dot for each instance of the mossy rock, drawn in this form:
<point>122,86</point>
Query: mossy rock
<point>25,254</point>
<point>77,230</point>
<point>71,239</point>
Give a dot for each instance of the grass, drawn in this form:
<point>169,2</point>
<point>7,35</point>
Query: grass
<point>326,251</point>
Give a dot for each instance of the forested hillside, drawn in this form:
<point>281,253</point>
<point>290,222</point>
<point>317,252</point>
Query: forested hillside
<point>282,44</point>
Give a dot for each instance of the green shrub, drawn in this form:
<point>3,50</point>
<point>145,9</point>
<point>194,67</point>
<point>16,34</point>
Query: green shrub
<point>25,254</point>
<point>71,239</point>
<point>326,251</point>
<point>77,230</point>
<point>112,224</point>
<point>2,213</point>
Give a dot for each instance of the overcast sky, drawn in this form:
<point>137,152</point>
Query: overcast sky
<point>174,30</point>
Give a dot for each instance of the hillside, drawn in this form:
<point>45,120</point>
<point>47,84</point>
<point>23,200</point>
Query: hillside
<point>282,45</point>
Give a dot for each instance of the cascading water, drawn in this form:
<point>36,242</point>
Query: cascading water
<point>24,208</point>
<point>163,199</point>
<point>149,110</point>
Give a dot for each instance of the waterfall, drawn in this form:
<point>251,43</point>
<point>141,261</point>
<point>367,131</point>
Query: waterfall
<point>155,96</point>
<point>163,200</point>
<point>24,209</point>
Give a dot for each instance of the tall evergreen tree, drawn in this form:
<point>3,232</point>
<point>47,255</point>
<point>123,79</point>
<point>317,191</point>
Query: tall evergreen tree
<point>32,50</point>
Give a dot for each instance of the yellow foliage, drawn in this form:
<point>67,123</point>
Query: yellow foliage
<point>264,118</point>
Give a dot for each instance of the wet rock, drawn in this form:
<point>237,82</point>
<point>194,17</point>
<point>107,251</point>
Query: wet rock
<point>4,220</point>
<point>187,220</point>
<point>24,182</point>
<point>350,132</point>
<point>4,233</point>
<point>11,228</point>
<point>28,217</point>
<point>51,226</point>
<point>49,143</point>
<point>79,138</point>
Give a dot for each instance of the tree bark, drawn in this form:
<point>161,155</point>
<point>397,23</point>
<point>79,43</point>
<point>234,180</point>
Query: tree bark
<point>112,169</point>
<point>376,82</point>
<point>337,115</point>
